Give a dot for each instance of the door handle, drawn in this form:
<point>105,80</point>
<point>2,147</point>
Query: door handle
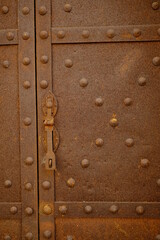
<point>52,138</point>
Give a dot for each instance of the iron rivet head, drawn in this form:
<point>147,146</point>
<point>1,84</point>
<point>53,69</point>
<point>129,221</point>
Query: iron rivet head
<point>67,7</point>
<point>144,163</point>
<point>156,61</point>
<point>42,10</point>
<point>136,32</point>
<point>68,63</point>
<point>29,161</point>
<point>83,82</point>
<point>85,163</point>
<point>26,61</point>
<point>26,84</point>
<point>61,34</point>
<point>85,34</point>
<point>110,33</point>
<point>25,35</point>
<point>46,185</point>
<point>155,5</point>
<point>129,142</point>
<point>8,183</point>
<point>157,237</point>
<point>113,209</point>
<point>27,121</point>
<point>6,64</point>
<point>49,103</point>
<point>63,209</point>
<point>47,209</point>
<point>158,182</point>
<point>99,101</point>
<point>158,31</point>
<point>44,59</point>
<point>10,36</point>
<point>7,237</point>
<point>128,101</point>
<point>88,209</point>
<point>5,9</point>
<point>142,81</point>
<point>13,210</point>
<point>71,182</point>
<point>113,122</point>
<point>99,142</point>
<point>43,84</point>
<point>29,211</point>
<point>28,186</point>
<point>69,238</point>
<point>29,236</point>
<point>139,210</point>
<point>25,10</point>
<point>43,34</point>
<point>47,234</point>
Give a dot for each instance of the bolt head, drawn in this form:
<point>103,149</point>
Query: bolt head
<point>47,209</point>
<point>63,209</point>
<point>26,84</point>
<point>99,142</point>
<point>113,122</point>
<point>28,186</point>
<point>6,64</point>
<point>140,210</point>
<point>113,209</point>
<point>29,236</point>
<point>25,35</point>
<point>85,163</point>
<point>136,32</point>
<point>68,63</point>
<point>71,182</point>
<point>110,33</point>
<point>47,234</point>
<point>156,61</point>
<point>67,7</point>
<point>142,81</point>
<point>128,101</point>
<point>88,209</point>
<point>145,163</point>
<point>99,101</point>
<point>27,121</point>
<point>29,211</point>
<point>129,142</point>
<point>5,9</point>
<point>13,210</point>
<point>29,161</point>
<point>83,82</point>
<point>25,10</point>
<point>85,34</point>
<point>46,185</point>
<point>44,84</point>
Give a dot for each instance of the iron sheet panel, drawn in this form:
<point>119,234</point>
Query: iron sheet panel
<point>8,14</point>
<point>10,228</point>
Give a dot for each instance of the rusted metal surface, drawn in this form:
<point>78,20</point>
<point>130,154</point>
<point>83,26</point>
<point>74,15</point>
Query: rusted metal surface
<point>18,164</point>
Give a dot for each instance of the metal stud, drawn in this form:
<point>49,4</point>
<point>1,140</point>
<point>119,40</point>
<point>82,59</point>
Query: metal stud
<point>110,33</point>
<point>5,9</point>
<point>46,185</point>
<point>157,237</point>
<point>25,10</point>
<point>47,234</point>
<point>158,31</point>
<point>10,36</point>
<point>85,163</point>
<point>142,81</point>
<point>6,64</point>
<point>26,84</point>
<point>140,210</point>
<point>158,182</point>
<point>44,59</point>
<point>25,35</point>
<point>29,236</point>
<point>29,211</point>
<point>69,238</point>
<point>7,183</point>
<point>128,101</point>
<point>85,34</point>
<point>63,209</point>
<point>13,210</point>
<point>26,61</point>
<point>144,163</point>
<point>88,209</point>
<point>71,182</point>
<point>29,161</point>
<point>156,61</point>
<point>28,186</point>
<point>129,142</point>
<point>68,63</point>
<point>27,121</point>
<point>113,209</point>
<point>99,101</point>
<point>47,209</point>
<point>42,10</point>
<point>155,5</point>
<point>136,32</point>
<point>83,82</point>
<point>43,34</point>
<point>67,7</point>
<point>99,142</point>
<point>43,84</point>
<point>7,237</point>
<point>61,34</point>
<point>113,122</point>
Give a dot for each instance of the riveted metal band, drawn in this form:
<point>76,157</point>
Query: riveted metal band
<point>106,34</point>
<point>107,209</point>
<point>8,36</point>
<point>44,85</point>
<point>10,210</point>
<point>28,146</point>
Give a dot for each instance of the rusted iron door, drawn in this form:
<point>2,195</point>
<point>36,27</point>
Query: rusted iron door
<point>18,151</point>
<point>101,60</point>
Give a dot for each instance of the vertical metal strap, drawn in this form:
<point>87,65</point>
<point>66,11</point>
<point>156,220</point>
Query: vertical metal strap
<point>44,84</point>
<point>27,102</point>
